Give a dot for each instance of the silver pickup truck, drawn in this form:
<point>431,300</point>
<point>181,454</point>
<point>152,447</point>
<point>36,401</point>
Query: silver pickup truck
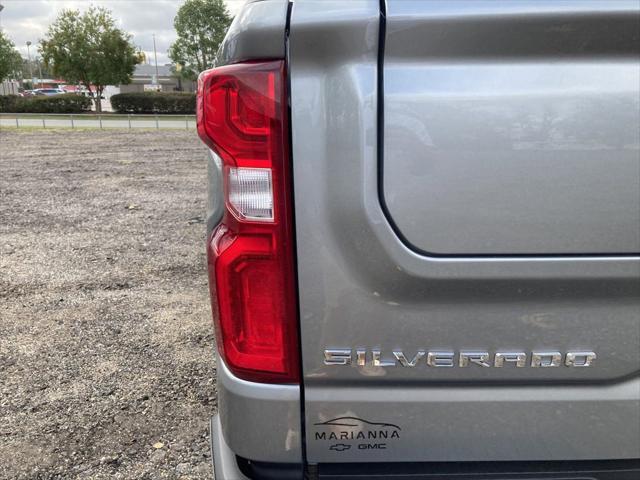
<point>424,240</point>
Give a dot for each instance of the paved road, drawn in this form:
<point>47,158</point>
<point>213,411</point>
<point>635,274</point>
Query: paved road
<point>181,123</point>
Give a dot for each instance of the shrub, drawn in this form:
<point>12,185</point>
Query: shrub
<point>56,104</point>
<point>154,102</point>
<point>8,102</point>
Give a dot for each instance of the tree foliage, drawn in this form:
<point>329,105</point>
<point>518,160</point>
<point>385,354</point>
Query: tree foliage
<point>10,60</point>
<point>89,49</point>
<point>201,26</point>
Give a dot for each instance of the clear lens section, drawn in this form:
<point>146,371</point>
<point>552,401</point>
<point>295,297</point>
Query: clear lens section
<point>250,193</point>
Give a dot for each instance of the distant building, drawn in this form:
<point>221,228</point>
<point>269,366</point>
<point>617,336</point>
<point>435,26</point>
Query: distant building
<point>144,79</point>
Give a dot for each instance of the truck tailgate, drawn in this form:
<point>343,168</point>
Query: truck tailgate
<point>454,201</point>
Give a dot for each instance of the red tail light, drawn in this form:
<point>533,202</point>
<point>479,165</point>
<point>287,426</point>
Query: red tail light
<point>242,117</point>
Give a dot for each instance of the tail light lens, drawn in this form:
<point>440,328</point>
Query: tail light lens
<point>242,117</point>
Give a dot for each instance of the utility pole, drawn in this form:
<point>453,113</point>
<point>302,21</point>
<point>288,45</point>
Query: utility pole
<point>155,54</point>
<point>29,62</point>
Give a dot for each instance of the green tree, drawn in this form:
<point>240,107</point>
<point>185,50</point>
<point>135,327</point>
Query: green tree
<point>10,60</point>
<point>90,50</point>
<point>201,26</point>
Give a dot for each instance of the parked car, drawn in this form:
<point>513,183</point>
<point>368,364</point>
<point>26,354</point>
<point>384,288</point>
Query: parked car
<point>424,240</point>
<point>27,93</point>
<point>49,92</point>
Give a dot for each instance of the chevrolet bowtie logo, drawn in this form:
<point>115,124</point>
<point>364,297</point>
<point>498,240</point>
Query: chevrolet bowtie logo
<point>339,447</point>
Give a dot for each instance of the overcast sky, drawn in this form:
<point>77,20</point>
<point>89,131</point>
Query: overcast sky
<point>27,20</point>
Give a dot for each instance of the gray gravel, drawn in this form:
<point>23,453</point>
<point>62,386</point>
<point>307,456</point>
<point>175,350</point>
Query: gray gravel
<point>106,362</point>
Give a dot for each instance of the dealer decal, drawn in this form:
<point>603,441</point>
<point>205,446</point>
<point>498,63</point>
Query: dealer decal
<point>364,434</point>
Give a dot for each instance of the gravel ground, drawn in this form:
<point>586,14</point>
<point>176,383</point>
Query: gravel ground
<point>106,362</point>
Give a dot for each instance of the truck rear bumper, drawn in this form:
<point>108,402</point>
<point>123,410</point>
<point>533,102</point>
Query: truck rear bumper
<point>579,470</point>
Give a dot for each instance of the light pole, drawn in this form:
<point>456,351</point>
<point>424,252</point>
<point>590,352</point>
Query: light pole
<point>29,61</point>
<point>155,54</point>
